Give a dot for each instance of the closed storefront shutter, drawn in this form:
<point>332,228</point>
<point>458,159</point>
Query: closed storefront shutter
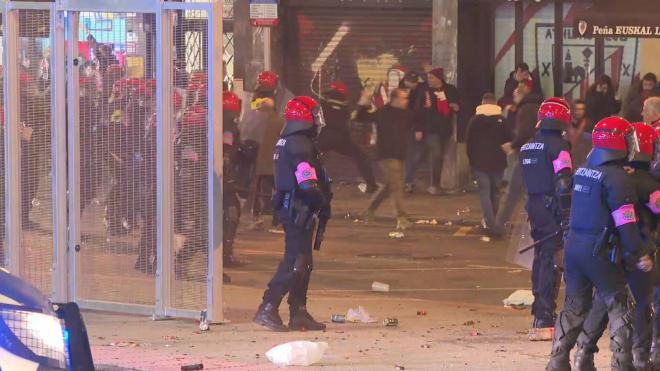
<point>360,46</point>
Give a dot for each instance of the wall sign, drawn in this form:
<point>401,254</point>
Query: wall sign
<point>616,28</point>
<point>263,13</point>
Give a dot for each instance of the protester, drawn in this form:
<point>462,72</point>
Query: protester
<point>522,74</point>
<point>418,105</point>
<point>441,99</point>
<point>336,135</point>
<point>651,111</point>
<point>486,133</point>
<point>394,122</point>
<point>600,100</point>
<point>264,176</point>
<point>527,105</point>
<point>638,93</point>
<point>577,135</point>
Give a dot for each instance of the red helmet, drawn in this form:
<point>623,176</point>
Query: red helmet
<point>340,87</point>
<point>231,102</point>
<point>302,113</point>
<point>267,80</point>
<point>647,139</point>
<point>554,114</point>
<point>613,138</point>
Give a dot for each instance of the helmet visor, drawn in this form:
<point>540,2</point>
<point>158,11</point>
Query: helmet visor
<point>319,119</point>
<point>634,153</point>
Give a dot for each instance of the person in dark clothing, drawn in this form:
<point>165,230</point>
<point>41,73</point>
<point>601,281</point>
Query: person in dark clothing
<point>336,135</point>
<point>394,122</point>
<point>638,93</point>
<point>486,133</point>
<point>522,73</point>
<point>525,121</point>
<point>441,101</point>
<point>600,100</point>
<point>417,103</point>
<point>577,133</point>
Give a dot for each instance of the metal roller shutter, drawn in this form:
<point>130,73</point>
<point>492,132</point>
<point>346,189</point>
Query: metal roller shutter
<point>356,45</point>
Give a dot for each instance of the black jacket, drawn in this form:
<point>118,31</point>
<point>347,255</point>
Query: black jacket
<point>600,106</point>
<point>525,119</point>
<point>336,132</point>
<point>486,133</point>
<point>393,130</point>
<point>437,122</point>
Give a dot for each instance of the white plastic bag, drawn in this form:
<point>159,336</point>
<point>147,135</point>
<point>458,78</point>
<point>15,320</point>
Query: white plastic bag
<point>519,299</point>
<point>359,315</point>
<point>297,353</point>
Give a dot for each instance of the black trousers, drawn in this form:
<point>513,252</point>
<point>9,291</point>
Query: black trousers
<point>345,146</point>
<point>546,274</point>
<point>641,286</point>
<point>293,273</point>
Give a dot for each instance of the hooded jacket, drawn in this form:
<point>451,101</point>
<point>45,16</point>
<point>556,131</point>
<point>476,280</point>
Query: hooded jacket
<point>486,133</point>
<point>526,119</point>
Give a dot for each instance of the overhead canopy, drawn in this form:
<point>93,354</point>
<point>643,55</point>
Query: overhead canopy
<point>616,18</point>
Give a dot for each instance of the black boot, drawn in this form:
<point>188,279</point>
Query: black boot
<point>269,317</point>
<point>584,359</point>
<point>301,320</point>
<point>642,360</point>
<point>567,330</point>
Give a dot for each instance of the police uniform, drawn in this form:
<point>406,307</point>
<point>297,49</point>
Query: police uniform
<point>603,206</point>
<point>302,189</point>
<point>547,169</point>
<point>640,283</point>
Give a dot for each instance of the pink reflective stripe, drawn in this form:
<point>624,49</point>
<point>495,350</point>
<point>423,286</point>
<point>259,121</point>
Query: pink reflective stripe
<point>624,215</point>
<point>563,161</point>
<point>305,172</point>
<point>654,202</point>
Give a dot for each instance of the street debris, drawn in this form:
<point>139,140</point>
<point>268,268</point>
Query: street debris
<point>170,338</point>
<point>541,334</point>
<point>427,221</point>
<point>519,299</point>
<point>396,235</point>
<point>359,315</point>
<point>484,239</point>
<point>475,332</point>
<point>124,344</point>
<point>399,368</point>
<point>421,312</point>
<point>297,353</point>
<point>195,367</point>
<point>380,287</point>
<point>338,318</point>
<point>390,322</point>
<point>469,323</point>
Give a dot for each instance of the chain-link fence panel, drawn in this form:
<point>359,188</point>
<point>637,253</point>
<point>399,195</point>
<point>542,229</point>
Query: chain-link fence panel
<point>35,147</point>
<point>190,108</point>
<point>117,152</point>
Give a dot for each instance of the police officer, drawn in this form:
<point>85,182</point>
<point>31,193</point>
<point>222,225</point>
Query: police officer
<point>547,171</point>
<point>640,283</point>
<point>603,227</point>
<point>302,191</point>
<point>231,106</point>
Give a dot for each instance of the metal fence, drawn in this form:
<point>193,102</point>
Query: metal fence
<point>115,150</point>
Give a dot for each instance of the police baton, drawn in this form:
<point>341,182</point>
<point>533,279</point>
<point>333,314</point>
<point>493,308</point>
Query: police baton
<point>543,240</point>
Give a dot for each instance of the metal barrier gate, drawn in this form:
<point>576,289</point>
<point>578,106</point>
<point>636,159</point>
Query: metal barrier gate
<point>121,203</point>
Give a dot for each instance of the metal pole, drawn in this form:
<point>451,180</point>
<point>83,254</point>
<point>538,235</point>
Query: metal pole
<point>599,56</point>
<point>73,108</point>
<point>12,142</point>
<point>558,70</point>
<point>267,49</point>
<point>519,30</point>
<point>215,176</point>
<point>59,153</point>
<point>164,161</point>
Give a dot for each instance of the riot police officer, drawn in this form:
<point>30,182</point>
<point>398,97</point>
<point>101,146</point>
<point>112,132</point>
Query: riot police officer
<point>640,283</point>
<point>547,172</point>
<point>231,106</point>
<point>302,196</point>
<point>603,227</point>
